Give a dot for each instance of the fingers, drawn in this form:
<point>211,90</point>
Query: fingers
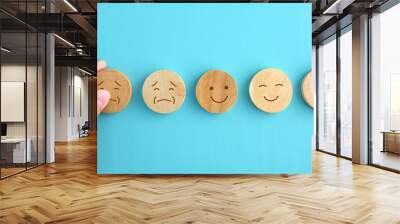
<point>103,96</point>
<point>101,65</point>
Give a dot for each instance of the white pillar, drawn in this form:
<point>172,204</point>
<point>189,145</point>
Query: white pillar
<point>360,90</point>
<point>50,99</point>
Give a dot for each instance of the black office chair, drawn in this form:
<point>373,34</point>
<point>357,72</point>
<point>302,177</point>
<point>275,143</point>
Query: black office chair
<point>84,130</point>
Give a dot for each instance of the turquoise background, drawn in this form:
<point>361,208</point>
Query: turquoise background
<point>138,39</point>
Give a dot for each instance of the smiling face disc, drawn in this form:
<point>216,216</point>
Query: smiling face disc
<point>216,91</point>
<point>307,90</point>
<point>119,87</point>
<point>164,91</point>
<point>271,90</point>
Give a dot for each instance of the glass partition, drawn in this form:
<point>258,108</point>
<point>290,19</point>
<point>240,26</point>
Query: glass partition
<point>41,91</point>
<point>22,67</point>
<point>31,100</point>
<point>14,153</point>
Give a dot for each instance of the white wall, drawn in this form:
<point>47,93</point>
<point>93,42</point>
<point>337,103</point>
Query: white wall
<point>71,94</point>
<point>81,103</point>
<point>15,72</point>
<point>62,82</point>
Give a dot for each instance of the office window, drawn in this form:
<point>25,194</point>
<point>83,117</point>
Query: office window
<point>327,96</point>
<point>385,89</point>
<point>346,93</point>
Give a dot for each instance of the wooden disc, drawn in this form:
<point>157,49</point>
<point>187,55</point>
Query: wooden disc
<point>271,90</point>
<point>119,87</point>
<point>216,91</point>
<point>164,91</point>
<point>307,90</point>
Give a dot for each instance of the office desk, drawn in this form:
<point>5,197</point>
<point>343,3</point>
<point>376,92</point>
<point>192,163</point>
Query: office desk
<point>391,141</point>
<point>15,148</point>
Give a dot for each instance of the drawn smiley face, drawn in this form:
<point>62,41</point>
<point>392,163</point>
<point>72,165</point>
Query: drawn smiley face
<point>164,91</point>
<point>119,87</point>
<point>216,91</point>
<point>271,90</point>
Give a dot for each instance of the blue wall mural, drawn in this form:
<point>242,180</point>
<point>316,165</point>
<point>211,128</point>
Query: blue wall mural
<point>241,39</point>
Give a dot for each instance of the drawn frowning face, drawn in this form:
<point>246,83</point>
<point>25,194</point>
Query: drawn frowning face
<point>271,90</point>
<point>216,91</point>
<point>119,87</point>
<point>164,91</point>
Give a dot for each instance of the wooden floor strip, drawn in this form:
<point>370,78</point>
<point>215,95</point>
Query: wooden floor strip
<point>70,191</point>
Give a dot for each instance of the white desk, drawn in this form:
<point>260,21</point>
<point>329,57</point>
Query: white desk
<point>19,149</point>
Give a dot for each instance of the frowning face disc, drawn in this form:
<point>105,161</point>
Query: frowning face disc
<point>119,87</point>
<point>164,91</point>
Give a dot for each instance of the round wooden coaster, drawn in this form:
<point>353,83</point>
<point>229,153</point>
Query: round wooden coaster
<point>307,90</point>
<point>119,87</point>
<point>216,91</point>
<point>164,91</point>
<point>271,90</point>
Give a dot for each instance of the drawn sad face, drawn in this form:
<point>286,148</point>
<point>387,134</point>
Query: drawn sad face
<point>216,91</point>
<point>119,87</point>
<point>271,90</point>
<point>164,91</point>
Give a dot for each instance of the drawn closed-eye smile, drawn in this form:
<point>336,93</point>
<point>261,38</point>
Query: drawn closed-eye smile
<point>216,101</point>
<point>271,100</point>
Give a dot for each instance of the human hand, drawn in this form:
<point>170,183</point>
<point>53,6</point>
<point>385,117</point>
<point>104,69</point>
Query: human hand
<point>103,96</point>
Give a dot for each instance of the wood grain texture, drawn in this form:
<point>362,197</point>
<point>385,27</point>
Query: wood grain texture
<point>119,87</point>
<point>271,90</point>
<point>70,191</point>
<point>216,91</point>
<point>164,91</point>
<point>307,90</point>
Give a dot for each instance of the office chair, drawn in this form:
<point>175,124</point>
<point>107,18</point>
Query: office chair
<point>84,130</point>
